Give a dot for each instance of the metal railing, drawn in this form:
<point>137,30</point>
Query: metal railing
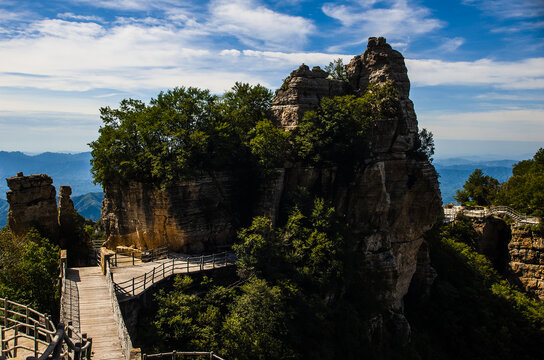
<point>450,214</point>
<point>26,330</point>
<point>139,284</point>
<point>75,344</point>
<point>131,257</point>
<point>174,355</point>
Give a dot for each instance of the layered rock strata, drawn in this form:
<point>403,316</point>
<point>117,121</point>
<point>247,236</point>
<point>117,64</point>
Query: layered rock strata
<point>527,260</point>
<point>189,216</point>
<point>301,92</point>
<point>32,203</point>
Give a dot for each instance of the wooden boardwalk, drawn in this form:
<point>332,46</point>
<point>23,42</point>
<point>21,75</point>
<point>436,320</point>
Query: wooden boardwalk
<point>96,312</point>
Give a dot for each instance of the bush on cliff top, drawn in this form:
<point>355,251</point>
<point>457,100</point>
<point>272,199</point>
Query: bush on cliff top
<point>186,131</point>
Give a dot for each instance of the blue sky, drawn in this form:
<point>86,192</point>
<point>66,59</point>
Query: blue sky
<point>476,66</point>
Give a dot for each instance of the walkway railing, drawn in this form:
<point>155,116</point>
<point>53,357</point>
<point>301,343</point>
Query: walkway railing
<point>75,345</point>
<point>450,214</point>
<point>139,284</point>
<point>174,355</point>
<point>29,331</point>
<point>131,257</point>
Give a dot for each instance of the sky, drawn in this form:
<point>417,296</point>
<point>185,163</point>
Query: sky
<point>476,66</point>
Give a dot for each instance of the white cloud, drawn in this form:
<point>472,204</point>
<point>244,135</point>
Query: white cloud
<point>256,25</point>
<point>523,74</point>
<point>508,9</point>
<point>513,125</point>
<point>134,5</point>
<point>450,45</point>
<point>395,19</point>
<point>69,15</point>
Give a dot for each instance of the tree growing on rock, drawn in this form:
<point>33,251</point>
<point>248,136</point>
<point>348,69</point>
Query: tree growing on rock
<point>479,189</point>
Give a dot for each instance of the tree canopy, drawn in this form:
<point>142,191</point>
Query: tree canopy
<point>524,190</point>
<point>479,189</point>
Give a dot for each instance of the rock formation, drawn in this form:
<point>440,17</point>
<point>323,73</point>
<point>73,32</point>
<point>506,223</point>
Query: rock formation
<point>527,260</point>
<point>389,204</point>
<point>301,92</point>
<point>189,216</point>
<point>32,203</point>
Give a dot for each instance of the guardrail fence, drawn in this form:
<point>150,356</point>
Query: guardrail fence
<point>450,214</point>
<point>174,355</point>
<point>121,258</point>
<point>139,284</point>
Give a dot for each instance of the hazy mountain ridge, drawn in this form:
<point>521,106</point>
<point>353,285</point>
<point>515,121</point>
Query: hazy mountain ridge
<point>454,172</point>
<point>73,170</point>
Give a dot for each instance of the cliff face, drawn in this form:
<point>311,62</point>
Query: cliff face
<point>189,216</point>
<point>32,203</point>
<point>527,260</point>
<point>389,203</point>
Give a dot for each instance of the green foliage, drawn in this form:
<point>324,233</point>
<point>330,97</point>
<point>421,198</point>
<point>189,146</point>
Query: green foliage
<point>255,327</point>
<point>472,311</point>
<point>29,269</point>
<point>270,144</point>
<point>426,145</point>
<point>337,70</point>
<point>182,132</point>
<point>524,190</point>
<point>479,189</point>
<point>338,132</point>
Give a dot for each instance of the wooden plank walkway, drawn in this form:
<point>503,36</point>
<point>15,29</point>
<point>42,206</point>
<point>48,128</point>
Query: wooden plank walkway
<point>96,312</point>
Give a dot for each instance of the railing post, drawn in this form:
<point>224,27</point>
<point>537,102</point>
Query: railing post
<point>2,340</point>
<point>163,270</point>
<point>35,340</point>
<point>173,266</point>
<point>145,276</point>
<point>213,261</point>
<point>27,329</point>
<point>153,277</point>
<point>133,258</point>
<point>6,312</point>
<point>133,293</point>
<point>174,355</point>
<point>201,262</point>
<point>15,340</point>
<point>187,260</point>
<point>115,257</point>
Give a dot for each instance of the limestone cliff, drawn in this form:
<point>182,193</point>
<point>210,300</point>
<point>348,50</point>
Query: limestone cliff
<point>389,203</point>
<point>527,260</point>
<point>32,203</point>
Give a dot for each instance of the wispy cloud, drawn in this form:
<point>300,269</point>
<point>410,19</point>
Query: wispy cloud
<point>524,74</point>
<point>258,26</point>
<point>515,125</point>
<point>72,16</point>
<point>134,5</point>
<point>508,9</point>
<point>395,19</point>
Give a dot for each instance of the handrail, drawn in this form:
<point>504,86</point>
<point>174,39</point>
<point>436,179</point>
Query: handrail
<point>450,214</point>
<point>75,344</point>
<point>173,355</point>
<point>130,257</point>
<point>25,323</point>
<point>131,287</point>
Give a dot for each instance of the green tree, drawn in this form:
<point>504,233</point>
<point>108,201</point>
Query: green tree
<point>255,327</point>
<point>337,70</point>
<point>426,144</point>
<point>524,190</point>
<point>338,132</point>
<point>29,270</point>
<point>479,189</point>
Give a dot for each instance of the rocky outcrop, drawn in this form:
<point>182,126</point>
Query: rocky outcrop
<point>389,203</point>
<point>301,92</point>
<point>527,260</point>
<point>189,216</point>
<point>32,203</point>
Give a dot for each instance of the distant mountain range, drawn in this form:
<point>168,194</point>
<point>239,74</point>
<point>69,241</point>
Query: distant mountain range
<point>454,172</point>
<point>74,170</point>
<point>65,169</point>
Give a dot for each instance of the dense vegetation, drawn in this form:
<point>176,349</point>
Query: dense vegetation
<point>524,190</point>
<point>293,299</point>
<point>187,131</point>
<point>29,269</point>
<point>472,312</point>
